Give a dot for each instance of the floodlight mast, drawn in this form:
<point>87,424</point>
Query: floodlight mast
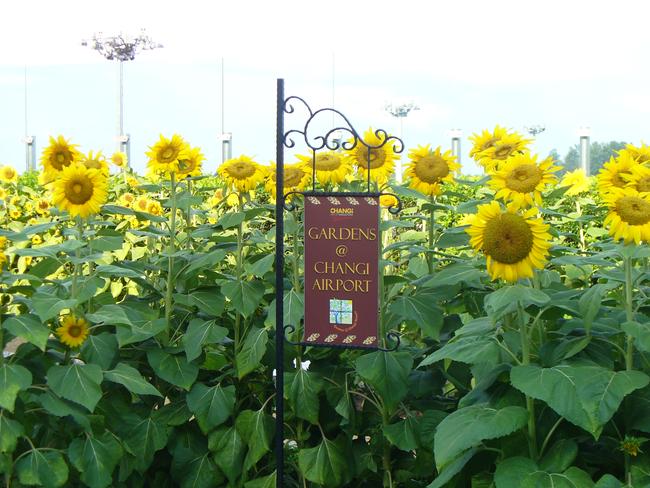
<point>121,48</point>
<point>401,112</point>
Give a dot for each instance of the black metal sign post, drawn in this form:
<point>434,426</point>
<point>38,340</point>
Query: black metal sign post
<point>315,143</point>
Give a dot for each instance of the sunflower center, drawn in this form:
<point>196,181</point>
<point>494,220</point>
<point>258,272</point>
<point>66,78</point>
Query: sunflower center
<point>168,154</point>
<point>503,151</point>
<point>431,168</point>
<point>489,143</point>
<point>643,185</point>
<point>375,159</point>
<point>633,210</point>
<point>524,178</point>
<point>617,179</point>
<point>241,170</point>
<point>292,177</point>
<point>507,238</point>
<point>327,162</point>
<point>92,164</point>
<point>75,331</point>
<point>60,160</point>
<point>78,190</point>
<point>187,165</point>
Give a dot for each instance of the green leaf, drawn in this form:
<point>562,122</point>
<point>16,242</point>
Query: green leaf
<point>252,351</point>
<point>468,427</point>
<point>173,368</point>
<point>326,464</point>
<point>245,296</point>
<point>256,429</point>
<point>62,408</point>
<point>107,240</point>
<point>571,478</point>
<point>560,456</point>
<point>386,372</point>
<point>453,274</point>
<point>113,271</point>
<point>212,406</point>
<point>452,469</point>
<point>589,303</point>
<point>47,468</point>
<point>199,333</point>
<point>144,439</point>
<point>421,310</point>
<point>202,262</point>
<point>139,331</point>
<point>231,219</point>
<point>13,378</point>
<point>608,481</point>
<point>508,298</point>
<point>49,306</point>
<point>131,379</point>
<point>302,389</point>
<point>403,434</point>
<point>10,431</point>
<point>229,450</point>
<point>30,328</point>
<point>260,267</point>
<point>77,382</point>
<point>110,315</point>
<point>211,302</point>
<point>269,481</point>
<point>193,468</point>
<point>640,333</point>
<point>467,349</point>
<point>100,349</point>
<point>95,457</point>
<point>587,396</point>
<point>173,414</point>
<point>294,309</point>
<point>511,471</point>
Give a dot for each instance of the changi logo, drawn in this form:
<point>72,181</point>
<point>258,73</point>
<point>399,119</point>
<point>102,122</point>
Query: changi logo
<point>342,212</point>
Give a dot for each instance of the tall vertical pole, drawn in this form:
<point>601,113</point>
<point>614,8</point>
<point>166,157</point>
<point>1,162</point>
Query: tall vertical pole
<point>455,143</point>
<point>585,150</point>
<point>279,286</point>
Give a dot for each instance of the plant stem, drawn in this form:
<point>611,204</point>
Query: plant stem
<point>629,314</point>
<point>530,403</point>
<point>188,216</point>
<point>239,271</point>
<point>583,245</point>
<point>171,249</point>
<point>431,228</point>
<point>388,478</point>
<point>74,291</point>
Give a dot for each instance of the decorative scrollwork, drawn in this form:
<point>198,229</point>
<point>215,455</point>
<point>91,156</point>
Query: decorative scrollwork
<point>395,337</point>
<point>291,330</point>
<point>289,206</point>
<point>394,209</point>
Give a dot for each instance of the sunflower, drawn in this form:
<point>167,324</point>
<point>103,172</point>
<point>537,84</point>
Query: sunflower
<point>3,243</point>
<point>127,199</point>
<point>58,155</point>
<point>331,167</point>
<point>576,182</point>
<point>73,331</point>
<point>42,206</point>
<point>8,174</point>
<point>629,215</point>
<point>388,201</point>
<point>485,140</point>
<point>15,214</point>
<point>36,240</point>
<point>367,155</point>
<point>3,260</point>
<point>132,182</point>
<point>640,153</point>
<point>154,208</point>
<point>515,244</point>
<point>120,159</point>
<point>80,191</point>
<point>3,194</point>
<point>521,179</point>
<point>616,172</point>
<point>141,204</point>
<point>95,161</point>
<point>638,178</point>
<point>501,150</point>
<point>429,168</point>
<point>191,165</point>
<point>243,173</point>
<point>296,178</point>
<point>165,155</point>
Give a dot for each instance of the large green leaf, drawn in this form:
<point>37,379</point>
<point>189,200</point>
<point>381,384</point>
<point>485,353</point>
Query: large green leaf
<point>10,431</point>
<point>260,267</point>
<point>640,333</point>
<point>560,456</point>
<point>452,469</point>
<point>468,427</point>
<point>199,333</point>
<point>95,457</point>
<point>404,434</point>
<point>77,382</point>
<point>508,298</point>
<point>293,310</point>
<point>131,378</point>
<point>245,296</point>
<point>30,328</point>
<point>326,464</point>
<point>144,439</point>
<point>42,468</point>
<point>467,349</point>
<point>511,471</point>
<point>587,396</point>
<point>49,306</point>
<point>386,372</point>
<point>256,429</point>
<point>421,310</point>
<point>13,378</point>
<point>62,408</point>
<point>229,450</point>
<point>608,481</point>
<point>252,351</point>
<point>173,368</point>
<point>211,405</point>
<point>301,390</point>
<point>140,331</point>
<point>571,478</point>
<point>589,303</point>
<point>192,467</point>
<point>265,482</point>
<point>210,302</point>
<point>100,349</point>
<point>111,315</point>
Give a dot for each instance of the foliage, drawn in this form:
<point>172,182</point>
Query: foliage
<point>599,154</point>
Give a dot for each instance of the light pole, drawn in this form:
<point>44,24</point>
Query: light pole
<point>121,48</point>
<point>456,134</point>
<point>401,112</point>
<point>30,141</point>
<point>585,149</point>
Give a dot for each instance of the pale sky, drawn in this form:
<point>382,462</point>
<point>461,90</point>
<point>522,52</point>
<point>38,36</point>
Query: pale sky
<point>466,64</point>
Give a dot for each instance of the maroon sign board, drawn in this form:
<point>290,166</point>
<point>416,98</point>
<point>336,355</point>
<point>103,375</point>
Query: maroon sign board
<point>341,271</point>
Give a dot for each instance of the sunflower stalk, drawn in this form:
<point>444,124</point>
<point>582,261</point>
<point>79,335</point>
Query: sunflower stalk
<point>583,245</point>
<point>188,216</point>
<point>74,290</point>
<point>239,272</point>
<point>171,249</point>
<point>629,312</point>
<point>525,360</point>
<point>432,230</point>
